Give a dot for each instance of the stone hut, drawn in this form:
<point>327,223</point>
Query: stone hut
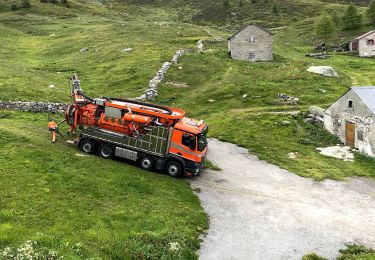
<point>364,45</point>
<point>352,117</point>
<point>252,43</point>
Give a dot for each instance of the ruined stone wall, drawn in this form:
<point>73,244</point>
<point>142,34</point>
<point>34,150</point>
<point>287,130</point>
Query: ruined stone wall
<point>339,114</point>
<point>45,107</point>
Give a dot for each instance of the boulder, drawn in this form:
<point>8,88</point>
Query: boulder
<point>326,71</point>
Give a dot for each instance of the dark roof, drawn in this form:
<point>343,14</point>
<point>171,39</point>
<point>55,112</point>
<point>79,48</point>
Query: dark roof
<point>367,95</point>
<point>364,35</point>
<point>258,26</point>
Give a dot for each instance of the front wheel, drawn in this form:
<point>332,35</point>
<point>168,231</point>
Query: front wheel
<point>106,151</point>
<point>174,169</point>
<point>87,146</point>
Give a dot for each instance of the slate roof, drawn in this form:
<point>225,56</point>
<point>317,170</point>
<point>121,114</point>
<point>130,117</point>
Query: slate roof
<point>367,95</point>
<point>364,35</point>
<point>258,26</point>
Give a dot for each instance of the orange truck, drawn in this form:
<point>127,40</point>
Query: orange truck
<point>157,137</point>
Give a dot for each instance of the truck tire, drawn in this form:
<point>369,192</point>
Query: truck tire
<point>174,169</point>
<point>106,151</point>
<point>87,146</point>
<point>147,162</point>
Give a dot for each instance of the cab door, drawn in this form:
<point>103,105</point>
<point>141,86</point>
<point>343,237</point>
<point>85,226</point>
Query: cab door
<point>182,145</point>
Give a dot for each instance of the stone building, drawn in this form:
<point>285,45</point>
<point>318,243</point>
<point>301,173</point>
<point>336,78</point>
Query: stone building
<point>252,43</point>
<point>364,45</point>
<point>352,117</point>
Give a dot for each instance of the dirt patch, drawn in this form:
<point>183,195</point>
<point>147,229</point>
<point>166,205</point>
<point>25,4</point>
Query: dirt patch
<point>263,212</point>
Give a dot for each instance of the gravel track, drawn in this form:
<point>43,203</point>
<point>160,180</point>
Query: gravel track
<point>259,211</point>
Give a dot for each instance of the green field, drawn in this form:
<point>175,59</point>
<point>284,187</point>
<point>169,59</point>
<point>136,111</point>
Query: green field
<point>88,207</point>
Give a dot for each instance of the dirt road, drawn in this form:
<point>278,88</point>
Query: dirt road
<point>259,211</point>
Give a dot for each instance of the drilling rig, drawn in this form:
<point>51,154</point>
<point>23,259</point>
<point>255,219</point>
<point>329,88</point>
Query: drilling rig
<point>156,137</point>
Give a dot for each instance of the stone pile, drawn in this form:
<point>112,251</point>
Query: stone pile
<point>339,152</point>
<point>286,99</point>
<point>34,106</point>
<point>152,88</point>
<point>315,115</point>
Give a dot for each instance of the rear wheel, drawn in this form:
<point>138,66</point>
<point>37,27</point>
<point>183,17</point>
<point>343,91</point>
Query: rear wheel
<point>87,146</point>
<point>106,151</point>
<point>174,169</point>
<point>147,162</point>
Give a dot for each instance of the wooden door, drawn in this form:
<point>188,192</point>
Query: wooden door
<point>355,46</point>
<point>350,134</point>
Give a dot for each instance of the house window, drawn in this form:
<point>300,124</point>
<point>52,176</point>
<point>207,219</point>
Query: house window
<point>252,39</point>
<point>350,104</point>
<point>370,42</point>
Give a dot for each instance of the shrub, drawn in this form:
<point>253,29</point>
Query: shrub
<point>25,4</point>
<point>13,7</point>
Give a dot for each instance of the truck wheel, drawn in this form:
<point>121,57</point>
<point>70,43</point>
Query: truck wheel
<point>147,162</point>
<point>174,169</point>
<point>87,146</point>
<point>106,151</point>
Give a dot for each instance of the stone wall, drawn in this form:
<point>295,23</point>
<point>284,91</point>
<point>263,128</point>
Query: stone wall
<point>34,106</point>
<point>152,89</point>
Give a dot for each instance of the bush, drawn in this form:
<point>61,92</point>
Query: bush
<point>25,4</point>
<point>13,7</point>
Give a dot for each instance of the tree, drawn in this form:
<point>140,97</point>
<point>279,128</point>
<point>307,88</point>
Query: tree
<point>13,7</point>
<point>44,1</point>
<point>226,4</point>
<point>240,3</point>
<point>25,4</point>
<point>352,19</point>
<point>254,1</point>
<point>371,12</point>
<point>275,10</point>
<point>324,27</point>
<point>336,19</point>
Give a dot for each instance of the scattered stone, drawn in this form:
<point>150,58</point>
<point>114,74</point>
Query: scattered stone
<point>179,67</point>
<point>211,100</point>
<point>127,49</point>
<point>244,96</point>
<point>177,85</point>
<point>51,86</point>
<point>284,98</point>
<point>80,155</point>
<point>52,35</point>
<point>315,115</point>
<point>286,123</point>
<point>293,155</point>
<point>70,141</point>
<point>326,71</point>
<point>83,50</point>
<point>322,90</point>
<point>200,46</point>
<point>317,55</point>
<point>340,152</point>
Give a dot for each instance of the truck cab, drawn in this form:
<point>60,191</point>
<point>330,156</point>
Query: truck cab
<point>189,145</point>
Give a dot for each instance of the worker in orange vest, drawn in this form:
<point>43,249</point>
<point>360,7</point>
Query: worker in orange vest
<point>52,127</point>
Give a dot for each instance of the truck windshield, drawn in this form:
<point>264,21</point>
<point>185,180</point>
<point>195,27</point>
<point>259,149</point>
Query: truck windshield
<point>202,142</point>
